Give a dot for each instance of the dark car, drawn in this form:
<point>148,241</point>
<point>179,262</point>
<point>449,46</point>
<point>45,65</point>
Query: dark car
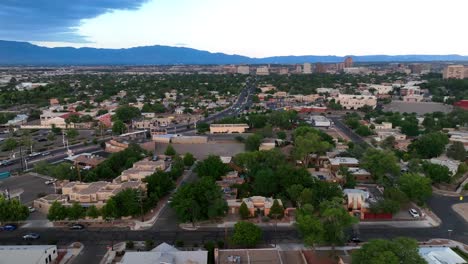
<point>9,227</point>
<point>31,236</point>
<point>77,227</point>
<point>354,239</point>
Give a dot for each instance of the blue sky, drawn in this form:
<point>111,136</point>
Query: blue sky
<point>255,28</point>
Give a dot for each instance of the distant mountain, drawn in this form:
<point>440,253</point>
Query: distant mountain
<point>23,53</point>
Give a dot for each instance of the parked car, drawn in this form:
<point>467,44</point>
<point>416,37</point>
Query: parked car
<point>31,209</point>
<point>31,236</point>
<point>50,181</point>
<point>77,227</point>
<point>45,153</point>
<point>354,239</point>
<point>9,227</point>
<point>6,163</point>
<point>34,154</point>
<point>413,213</point>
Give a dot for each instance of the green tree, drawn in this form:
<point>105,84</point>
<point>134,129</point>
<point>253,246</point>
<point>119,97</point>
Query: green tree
<point>281,135</point>
<point>76,211</point>
<point>127,113</point>
<point>265,183</point>
<point>189,159</point>
<point>12,210</point>
<point>310,227</point>
<point>119,127</point>
<point>92,212</point>
<point>252,143</point>
<point>335,221</point>
<point>457,151</point>
<point>380,163</point>
<point>416,187</point>
<point>276,210</point>
<point>200,200</point>
<point>430,145</point>
<point>211,167</point>
<point>246,234</point>
<point>56,130</point>
<point>294,192</point>
<point>397,251</point>
<point>388,142</point>
<point>437,173</point>
<point>410,128</point>
<point>244,212</point>
<point>57,212</point>
<point>170,151</point>
<point>110,210</point>
<point>9,144</point>
<point>203,128</point>
<point>159,184</point>
<point>364,131</point>
<point>72,133</point>
<point>51,137</point>
<point>350,180</point>
<point>308,144</point>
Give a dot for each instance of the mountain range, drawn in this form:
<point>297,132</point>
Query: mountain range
<point>24,53</point>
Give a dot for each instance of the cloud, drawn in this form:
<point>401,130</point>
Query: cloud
<point>53,20</point>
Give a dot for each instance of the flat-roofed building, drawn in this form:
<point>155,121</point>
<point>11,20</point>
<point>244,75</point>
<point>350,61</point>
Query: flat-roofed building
<point>454,72</point>
<point>96,193</point>
<point>37,254</point>
<point>307,68</point>
<point>352,101</point>
<point>381,89</point>
<point>253,203</point>
<point>263,70</point>
<point>319,121</point>
<point>228,128</point>
<point>335,163</point>
<point>165,254</point>
<point>140,170</point>
<point>243,69</point>
<point>258,256</point>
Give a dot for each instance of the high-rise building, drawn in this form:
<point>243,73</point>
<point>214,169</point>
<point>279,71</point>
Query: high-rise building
<point>263,70</point>
<point>307,68</point>
<point>455,72</point>
<point>320,68</point>
<point>298,69</point>
<point>348,62</point>
<point>243,69</point>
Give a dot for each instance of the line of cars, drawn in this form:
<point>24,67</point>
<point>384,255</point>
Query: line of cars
<point>33,235</point>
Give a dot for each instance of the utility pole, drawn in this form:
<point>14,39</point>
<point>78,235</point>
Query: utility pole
<point>21,158</point>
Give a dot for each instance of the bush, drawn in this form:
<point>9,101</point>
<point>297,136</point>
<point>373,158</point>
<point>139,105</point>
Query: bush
<point>179,243</point>
<point>130,244</point>
<point>149,244</point>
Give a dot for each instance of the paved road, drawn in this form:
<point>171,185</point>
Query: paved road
<point>347,131</point>
<point>54,156</point>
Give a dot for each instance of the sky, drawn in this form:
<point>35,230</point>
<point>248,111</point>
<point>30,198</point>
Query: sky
<point>256,28</point>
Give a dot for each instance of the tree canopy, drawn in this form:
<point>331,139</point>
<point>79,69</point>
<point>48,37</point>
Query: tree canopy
<point>211,167</point>
<point>418,188</point>
<point>246,234</point>
<point>397,251</point>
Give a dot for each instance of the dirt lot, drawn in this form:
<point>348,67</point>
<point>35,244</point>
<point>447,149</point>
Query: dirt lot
<point>462,210</point>
<point>201,151</point>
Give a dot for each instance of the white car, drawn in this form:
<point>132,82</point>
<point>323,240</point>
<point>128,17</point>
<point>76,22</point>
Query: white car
<point>31,209</point>
<point>34,154</point>
<point>413,213</point>
<point>50,181</point>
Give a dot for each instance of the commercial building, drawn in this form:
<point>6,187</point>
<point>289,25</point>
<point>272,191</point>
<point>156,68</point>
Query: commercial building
<point>260,256</point>
<point>440,255</point>
<point>140,170</point>
<point>243,69</point>
<point>348,162</point>
<point>351,101</point>
<point>307,68</point>
<point>87,194</point>
<point>37,254</point>
<point>356,201</point>
<point>228,128</point>
<point>381,89</point>
<point>263,70</point>
<point>348,62</point>
<point>455,72</point>
<point>18,120</point>
<point>319,121</point>
<point>253,203</point>
<point>165,254</point>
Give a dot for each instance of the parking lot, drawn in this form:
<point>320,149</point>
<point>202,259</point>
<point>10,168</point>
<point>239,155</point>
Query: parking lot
<point>32,187</point>
<point>201,151</point>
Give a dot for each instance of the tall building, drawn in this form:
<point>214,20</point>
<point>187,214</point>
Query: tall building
<point>298,69</point>
<point>320,68</point>
<point>455,72</point>
<point>243,69</point>
<point>263,70</point>
<point>348,62</point>
<point>307,68</point>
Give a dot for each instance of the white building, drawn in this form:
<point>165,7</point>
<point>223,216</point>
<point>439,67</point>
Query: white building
<point>39,254</point>
<point>381,89</point>
<point>263,70</point>
<point>307,68</point>
<point>243,69</point>
<point>319,121</point>
<point>351,101</point>
<point>440,255</point>
<point>18,120</point>
<point>165,254</point>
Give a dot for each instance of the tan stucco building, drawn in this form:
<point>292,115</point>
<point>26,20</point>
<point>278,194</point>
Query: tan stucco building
<point>228,128</point>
